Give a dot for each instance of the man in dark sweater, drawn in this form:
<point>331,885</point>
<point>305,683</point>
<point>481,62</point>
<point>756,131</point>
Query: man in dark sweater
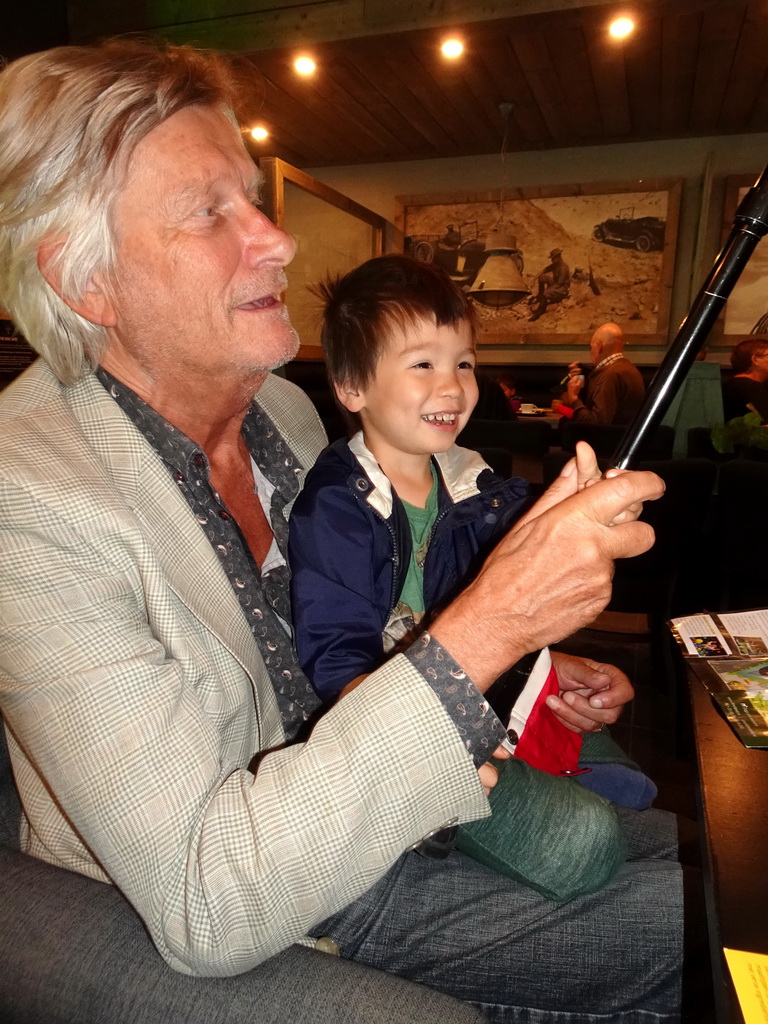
<point>615,387</point>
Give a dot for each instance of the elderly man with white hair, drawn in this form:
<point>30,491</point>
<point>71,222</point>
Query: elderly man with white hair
<point>162,734</point>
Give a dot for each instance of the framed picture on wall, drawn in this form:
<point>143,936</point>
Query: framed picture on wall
<point>333,234</point>
<point>746,311</point>
<point>547,265</point>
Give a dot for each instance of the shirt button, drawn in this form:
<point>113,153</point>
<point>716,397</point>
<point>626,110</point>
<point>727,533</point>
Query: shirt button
<point>224,514</point>
<point>361,484</point>
<point>178,476</point>
<point>512,736</point>
<point>198,459</point>
<point>325,944</point>
<point>495,502</point>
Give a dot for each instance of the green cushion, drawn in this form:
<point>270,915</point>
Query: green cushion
<point>547,832</point>
<point>602,748</point>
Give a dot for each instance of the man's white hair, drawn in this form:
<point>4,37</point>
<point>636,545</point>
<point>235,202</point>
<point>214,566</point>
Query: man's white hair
<point>70,119</point>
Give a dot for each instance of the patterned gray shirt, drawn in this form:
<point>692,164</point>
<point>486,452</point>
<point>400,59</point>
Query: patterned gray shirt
<point>265,596</point>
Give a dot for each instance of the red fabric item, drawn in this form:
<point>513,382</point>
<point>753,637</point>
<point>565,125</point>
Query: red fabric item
<point>565,410</point>
<point>543,741</point>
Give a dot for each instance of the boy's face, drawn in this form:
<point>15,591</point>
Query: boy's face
<point>422,392</point>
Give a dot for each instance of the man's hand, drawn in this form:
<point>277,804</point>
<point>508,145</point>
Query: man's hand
<point>592,694</point>
<point>575,383</point>
<point>573,389</point>
<point>549,576</point>
<point>579,473</point>
<point>588,473</point>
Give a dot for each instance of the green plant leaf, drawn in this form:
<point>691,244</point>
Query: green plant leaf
<point>745,431</point>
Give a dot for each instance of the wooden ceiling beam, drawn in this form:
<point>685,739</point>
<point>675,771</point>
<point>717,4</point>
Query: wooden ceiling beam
<point>610,80</point>
<point>718,43</point>
<point>679,52</point>
<point>246,26</point>
<point>691,67</point>
<point>643,69</point>
<point>750,65</point>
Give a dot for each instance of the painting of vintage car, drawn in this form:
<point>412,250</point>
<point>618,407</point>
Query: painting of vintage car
<point>459,251</point>
<point>745,311</point>
<point>646,234</point>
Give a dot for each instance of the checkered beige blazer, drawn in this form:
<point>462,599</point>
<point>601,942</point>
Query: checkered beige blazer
<point>134,698</point>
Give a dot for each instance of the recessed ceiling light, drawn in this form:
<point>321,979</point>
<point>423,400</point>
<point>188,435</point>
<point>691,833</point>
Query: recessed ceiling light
<point>452,48</point>
<point>259,133</point>
<point>621,28</point>
<point>304,65</point>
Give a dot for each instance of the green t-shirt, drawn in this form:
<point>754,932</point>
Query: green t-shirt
<point>409,610</point>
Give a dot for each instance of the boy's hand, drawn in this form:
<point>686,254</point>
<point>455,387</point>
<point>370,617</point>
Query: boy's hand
<point>591,694</point>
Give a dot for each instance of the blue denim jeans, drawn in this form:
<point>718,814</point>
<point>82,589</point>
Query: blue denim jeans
<point>613,957</point>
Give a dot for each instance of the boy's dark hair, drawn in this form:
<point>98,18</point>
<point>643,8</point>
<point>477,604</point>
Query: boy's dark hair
<point>741,355</point>
<point>364,307</point>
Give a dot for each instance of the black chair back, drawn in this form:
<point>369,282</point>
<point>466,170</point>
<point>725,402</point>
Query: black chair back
<point>700,445</point>
<point>605,438</point>
<point>647,583</point>
<point>499,459</point>
<point>520,437</point>
<point>742,552</point>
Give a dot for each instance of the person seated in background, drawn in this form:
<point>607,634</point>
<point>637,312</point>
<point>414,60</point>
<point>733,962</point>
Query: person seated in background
<point>747,390</point>
<point>615,387</point>
<point>509,387</point>
<point>492,403</point>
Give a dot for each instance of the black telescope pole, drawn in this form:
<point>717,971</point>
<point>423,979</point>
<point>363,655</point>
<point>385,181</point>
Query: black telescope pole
<point>750,224</point>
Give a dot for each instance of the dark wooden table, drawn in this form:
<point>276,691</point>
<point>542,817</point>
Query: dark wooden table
<point>733,795</point>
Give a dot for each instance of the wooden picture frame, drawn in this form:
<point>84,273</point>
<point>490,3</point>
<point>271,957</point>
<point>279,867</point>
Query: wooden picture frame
<point>746,311</point>
<point>333,234</point>
<point>618,238</point>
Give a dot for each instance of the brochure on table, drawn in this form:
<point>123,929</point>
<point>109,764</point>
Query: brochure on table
<point>734,646</point>
<point>750,979</point>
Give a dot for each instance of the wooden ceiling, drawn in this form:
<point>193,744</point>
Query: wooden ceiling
<point>691,68</point>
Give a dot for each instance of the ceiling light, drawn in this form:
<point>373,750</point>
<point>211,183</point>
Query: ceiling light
<point>452,48</point>
<point>259,133</point>
<point>621,28</point>
<point>304,65</point>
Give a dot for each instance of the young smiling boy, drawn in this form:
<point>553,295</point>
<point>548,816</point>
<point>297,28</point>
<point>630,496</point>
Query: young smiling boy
<point>392,523</point>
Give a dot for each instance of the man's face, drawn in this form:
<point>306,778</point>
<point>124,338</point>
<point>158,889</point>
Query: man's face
<point>199,269</point>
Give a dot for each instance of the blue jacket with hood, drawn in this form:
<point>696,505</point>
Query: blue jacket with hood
<point>350,541</point>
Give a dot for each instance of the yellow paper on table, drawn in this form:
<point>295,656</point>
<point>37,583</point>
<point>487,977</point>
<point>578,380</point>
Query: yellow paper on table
<point>750,979</point>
